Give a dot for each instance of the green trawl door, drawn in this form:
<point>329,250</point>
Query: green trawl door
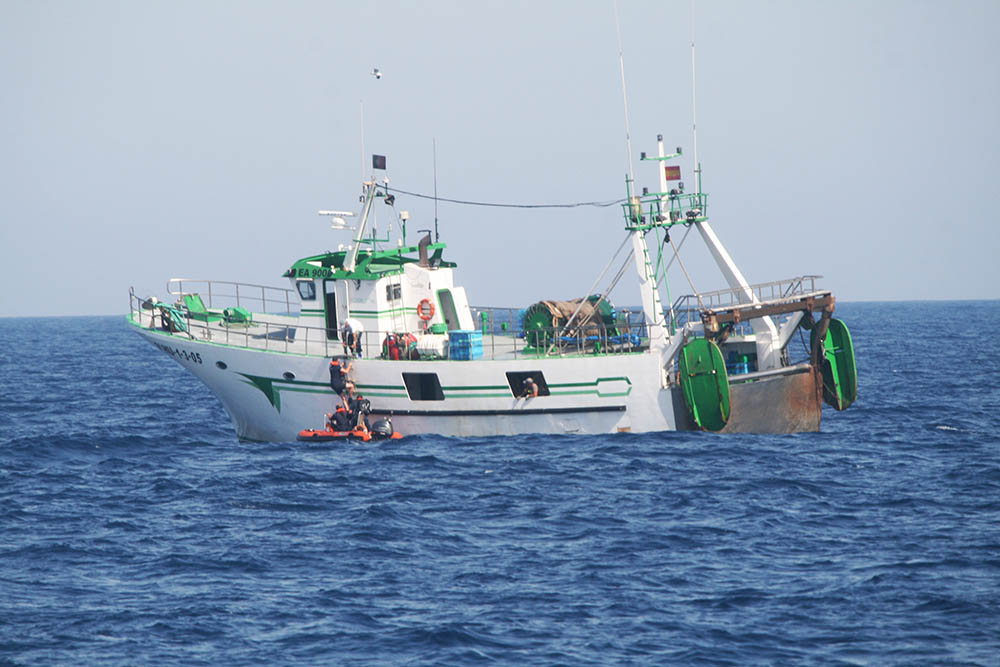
<point>705,383</point>
<point>840,374</point>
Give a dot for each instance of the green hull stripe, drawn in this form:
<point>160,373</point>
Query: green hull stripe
<point>272,388</point>
<point>496,387</point>
<point>378,313</point>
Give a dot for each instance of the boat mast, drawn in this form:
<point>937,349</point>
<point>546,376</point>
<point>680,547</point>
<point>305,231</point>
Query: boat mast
<point>351,260</point>
<point>694,111</point>
<point>437,237</point>
<point>652,308</point>
<point>621,64</point>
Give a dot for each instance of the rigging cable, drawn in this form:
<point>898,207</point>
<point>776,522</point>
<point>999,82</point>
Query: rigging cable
<point>598,280</point>
<point>465,202</point>
<point>578,326</point>
<point>687,275</point>
<point>663,277</point>
<point>679,246</point>
<point>601,276</point>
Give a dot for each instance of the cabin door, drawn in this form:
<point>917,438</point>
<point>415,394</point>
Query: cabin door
<point>448,312</point>
<point>330,306</point>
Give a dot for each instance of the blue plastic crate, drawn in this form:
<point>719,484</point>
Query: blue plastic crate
<point>466,353</point>
<point>738,368</point>
<point>459,336</point>
<point>465,345</point>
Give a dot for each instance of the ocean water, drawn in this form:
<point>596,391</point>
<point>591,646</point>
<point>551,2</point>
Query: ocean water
<point>136,529</point>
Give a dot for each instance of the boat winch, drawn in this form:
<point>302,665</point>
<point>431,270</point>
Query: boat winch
<point>553,322</point>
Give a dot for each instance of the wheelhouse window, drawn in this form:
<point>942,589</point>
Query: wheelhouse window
<point>423,386</point>
<point>520,382</point>
<point>307,290</point>
<point>393,292</point>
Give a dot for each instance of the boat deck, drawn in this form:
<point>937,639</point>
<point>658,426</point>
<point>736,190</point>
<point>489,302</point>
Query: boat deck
<point>285,334</point>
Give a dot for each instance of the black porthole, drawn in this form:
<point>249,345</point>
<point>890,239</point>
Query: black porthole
<point>288,375</point>
<point>221,365</point>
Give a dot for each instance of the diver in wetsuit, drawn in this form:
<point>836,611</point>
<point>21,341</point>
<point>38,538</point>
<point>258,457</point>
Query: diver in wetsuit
<point>339,419</point>
<point>359,408</point>
<point>339,368</point>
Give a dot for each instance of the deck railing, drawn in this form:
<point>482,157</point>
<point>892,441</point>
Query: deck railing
<point>220,294</point>
<point>627,334</point>
<point>260,333</point>
<point>501,329</point>
<point>688,308</point>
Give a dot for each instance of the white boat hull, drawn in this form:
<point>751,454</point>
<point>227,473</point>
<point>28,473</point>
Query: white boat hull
<point>271,396</point>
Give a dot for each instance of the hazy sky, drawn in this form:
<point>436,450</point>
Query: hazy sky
<point>146,140</point>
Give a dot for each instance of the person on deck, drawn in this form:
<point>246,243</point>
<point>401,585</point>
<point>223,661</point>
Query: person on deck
<point>351,335</point>
<point>347,338</point>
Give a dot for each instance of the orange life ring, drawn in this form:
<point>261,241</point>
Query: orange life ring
<point>425,310</point>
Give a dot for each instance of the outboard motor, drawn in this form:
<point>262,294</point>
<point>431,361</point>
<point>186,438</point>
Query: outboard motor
<point>382,428</point>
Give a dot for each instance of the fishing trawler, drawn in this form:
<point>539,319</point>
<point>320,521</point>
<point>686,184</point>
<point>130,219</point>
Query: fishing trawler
<point>717,361</point>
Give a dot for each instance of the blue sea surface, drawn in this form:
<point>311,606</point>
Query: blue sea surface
<point>136,529</point>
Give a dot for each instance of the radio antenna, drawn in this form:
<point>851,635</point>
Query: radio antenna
<point>362,102</point>
<point>621,62</point>
<point>434,144</point>
<point>694,109</point>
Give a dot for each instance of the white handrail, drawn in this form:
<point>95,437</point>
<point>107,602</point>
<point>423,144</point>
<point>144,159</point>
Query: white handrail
<point>216,298</point>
